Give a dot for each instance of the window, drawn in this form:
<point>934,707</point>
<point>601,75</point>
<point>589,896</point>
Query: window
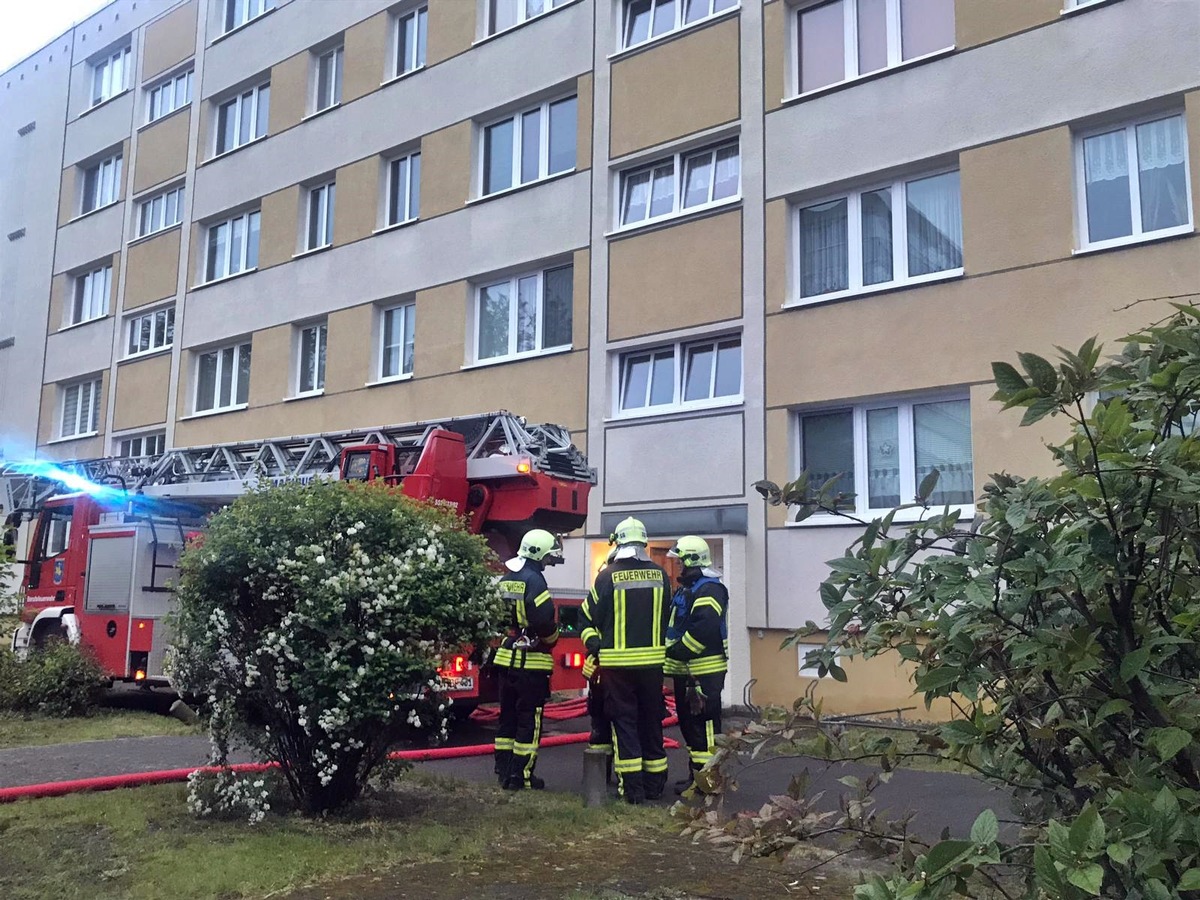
<point>239,12</point>
<point>881,452</point>
<point>681,375</point>
<point>110,76</point>
<point>397,335</point>
<point>525,314</point>
<point>92,291</point>
<point>848,38</point>
<point>646,19</point>
<point>537,143</point>
<point>410,40</point>
<point>318,230</point>
<point>310,378</point>
<point>243,119</point>
<point>505,14</point>
<point>328,79</point>
<point>404,189</point>
<point>1134,182</point>
<point>168,96</point>
<point>681,182</point>
<point>223,378</point>
<point>160,211</point>
<point>102,183</point>
<point>232,246</point>
<point>80,409</point>
<point>142,445</point>
<point>898,233</point>
<point>152,331</point>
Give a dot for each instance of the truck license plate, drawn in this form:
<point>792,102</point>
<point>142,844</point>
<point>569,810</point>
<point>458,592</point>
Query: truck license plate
<point>459,683</point>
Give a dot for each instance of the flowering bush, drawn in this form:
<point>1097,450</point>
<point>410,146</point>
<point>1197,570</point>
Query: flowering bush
<point>314,618</point>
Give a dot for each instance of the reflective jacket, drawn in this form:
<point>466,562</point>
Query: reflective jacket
<point>532,630</point>
<point>698,636</point>
<point>628,613</point>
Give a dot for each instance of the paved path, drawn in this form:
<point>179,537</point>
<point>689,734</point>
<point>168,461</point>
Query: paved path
<point>938,799</point>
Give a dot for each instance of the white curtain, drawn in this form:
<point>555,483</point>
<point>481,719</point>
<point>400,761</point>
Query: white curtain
<point>824,246</point>
<point>1163,179</point>
<point>934,224</point>
<point>942,441</point>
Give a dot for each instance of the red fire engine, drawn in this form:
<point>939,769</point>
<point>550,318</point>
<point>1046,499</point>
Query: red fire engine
<point>109,532</point>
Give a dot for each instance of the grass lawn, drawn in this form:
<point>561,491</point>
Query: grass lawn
<point>35,730</point>
<point>432,838</point>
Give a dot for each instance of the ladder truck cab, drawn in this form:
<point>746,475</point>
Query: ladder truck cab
<point>104,551</point>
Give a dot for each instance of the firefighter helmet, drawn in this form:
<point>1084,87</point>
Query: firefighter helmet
<point>541,546</point>
<point>692,551</point>
<point>629,531</point>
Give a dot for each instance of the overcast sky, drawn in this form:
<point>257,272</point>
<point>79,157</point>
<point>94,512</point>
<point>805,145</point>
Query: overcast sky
<point>31,24</point>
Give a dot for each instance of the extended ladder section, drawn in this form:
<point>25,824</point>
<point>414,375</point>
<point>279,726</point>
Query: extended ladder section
<point>495,444</point>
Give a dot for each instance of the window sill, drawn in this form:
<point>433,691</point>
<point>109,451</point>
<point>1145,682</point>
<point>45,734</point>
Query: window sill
<point>396,225</point>
<point>521,187</point>
<point>935,278</point>
<point>692,212</point>
<point>233,150</point>
<point>164,117</point>
<point>676,409</point>
<point>1084,6</point>
<point>312,251</point>
<point>317,113</point>
<point>66,439</point>
<point>142,238</point>
<point>870,76</point>
<point>223,279</point>
<point>232,31</point>
<point>237,407</point>
<point>495,34</point>
<point>517,357</point>
<point>92,212</point>
<point>394,379</point>
<point>307,395</point>
<point>904,517</point>
<point>402,76</point>
<point>145,354</point>
<point>1136,239</point>
<point>666,37</point>
<point>103,103</point>
<point>90,321</point>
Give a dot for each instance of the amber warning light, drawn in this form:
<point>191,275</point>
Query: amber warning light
<point>456,665</point>
<point>524,467</point>
<point>573,660</point>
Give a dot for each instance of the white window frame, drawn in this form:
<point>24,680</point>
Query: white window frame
<point>321,344</point>
<point>678,162</point>
<point>162,332</point>
<point>103,71</point>
<point>408,323</point>
<point>238,13</point>
<point>324,198</point>
<point>336,58</point>
<point>161,98</point>
<point>1138,235</point>
<point>234,382</point>
<point>895,46</point>
<point>147,444</point>
<point>906,452</point>
<point>513,308</point>
<point>90,293</point>
<point>682,7</point>
<point>522,13</point>
<point>543,110</point>
<point>623,359</point>
<point>401,63</point>
<point>854,237</point>
<point>242,255</point>
<point>107,185</point>
<point>411,206</point>
<point>161,211</point>
<point>254,97</point>
<point>80,428</point>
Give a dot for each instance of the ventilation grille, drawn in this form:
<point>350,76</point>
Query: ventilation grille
<point>16,235</point>
<point>25,129</point>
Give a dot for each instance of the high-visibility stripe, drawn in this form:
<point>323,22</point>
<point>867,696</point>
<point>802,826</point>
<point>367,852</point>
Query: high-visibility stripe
<point>625,766</point>
<point>692,644</point>
<point>706,601</point>
<point>656,628</point>
<point>588,633</point>
<point>674,667</point>
<point>654,765</point>
<point>708,665</point>
<point>708,732</point>
<point>618,620</point>
<point>522,615</point>
<point>552,639</point>
<point>700,757</point>
<point>585,608</point>
<point>535,660</point>
<point>524,749</point>
<point>541,598</point>
<point>607,748</point>
<point>503,743</point>
<point>503,657</point>
<point>639,656</point>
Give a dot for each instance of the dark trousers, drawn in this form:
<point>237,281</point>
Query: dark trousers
<point>523,693</point>
<point>600,737</point>
<point>699,728</point>
<point>633,701</point>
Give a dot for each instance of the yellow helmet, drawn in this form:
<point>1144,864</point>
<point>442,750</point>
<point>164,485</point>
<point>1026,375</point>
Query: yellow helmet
<point>692,551</point>
<point>629,531</point>
<point>541,546</point>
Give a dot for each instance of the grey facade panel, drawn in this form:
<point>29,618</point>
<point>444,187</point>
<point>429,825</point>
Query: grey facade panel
<point>103,128</point>
<point>675,522</point>
<point>82,350</point>
<point>89,238</point>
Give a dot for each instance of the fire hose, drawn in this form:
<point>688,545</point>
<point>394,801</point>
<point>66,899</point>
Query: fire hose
<point>554,711</point>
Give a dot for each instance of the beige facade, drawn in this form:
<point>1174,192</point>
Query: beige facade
<point>712,206</point>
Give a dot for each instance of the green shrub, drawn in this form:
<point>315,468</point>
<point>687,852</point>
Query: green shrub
<point>60,680</point>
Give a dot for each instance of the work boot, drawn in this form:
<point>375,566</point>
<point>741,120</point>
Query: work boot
<point>503,763</point>
<point>633,789</point>
<point>654,783</point>
<point>683,785</point>
<point>518,782</point>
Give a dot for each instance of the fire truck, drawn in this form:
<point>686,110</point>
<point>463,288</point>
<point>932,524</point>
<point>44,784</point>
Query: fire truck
<point>108,532</point>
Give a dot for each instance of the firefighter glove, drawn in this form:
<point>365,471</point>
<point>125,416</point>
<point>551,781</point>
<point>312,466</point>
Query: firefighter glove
<point>695,700</point>
<point>589,667</point>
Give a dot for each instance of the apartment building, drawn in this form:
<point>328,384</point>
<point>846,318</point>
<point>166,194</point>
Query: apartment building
<point>718,241</point>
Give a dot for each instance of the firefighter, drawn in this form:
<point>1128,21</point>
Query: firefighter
<point>629,611</point>
<point>600,737</point>
<point>525,660</point>
<point>697,651</point>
